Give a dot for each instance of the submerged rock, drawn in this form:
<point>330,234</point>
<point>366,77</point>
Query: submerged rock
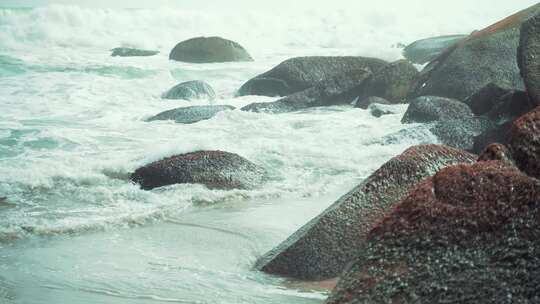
<point>189,115</point>
<point>378,110</point>
<point>189,90</point>
<point>528,55</point>
<point>425,50</point>
<point>209,50</point>
<point>485,56</point>
<point>340,89</point>
<point>131,52</point>
<point>432,108</point>
<point>324,246</point>
<point>525,143</point>
<point>364,103</point>
<point>215,169</point>
<point>300,73</point>
<point>393,82</point>
<point>469,234</point>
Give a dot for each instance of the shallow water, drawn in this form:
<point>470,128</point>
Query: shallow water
<point>73,229</point>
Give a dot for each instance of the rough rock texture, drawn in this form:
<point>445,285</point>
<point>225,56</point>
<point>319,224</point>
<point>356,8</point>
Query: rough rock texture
<point>339,89</point>
<point>364,103</point>
<point>487,97</point>
<point>497,152</point>
<point>461,133</point>
<point>131,52</point>
<point>394,82</point>
<point>209,50</point>
<point>528,55</point>
<point>215,169</point>
<point>509,107</point>
<point>189,115</point>
<point>189,90</point>
<point>498,134</point>
<point>432,108</point>
<point>485,56</point>
<point>324,246</point>
<point>425,50</point>
<point>300,73</point>
<point>470,234</point>
<point>525,143</point>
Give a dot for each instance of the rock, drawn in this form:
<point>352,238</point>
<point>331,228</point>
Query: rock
<point>324,246</point>
<point>461,133</point>
<point>189,115</point>
<point>509,107</point>
<point>528,54</point>
<point>487,97</point>
<point>497,152</point>
<point>215,169</point>
<point>364,103</point>
<point>189,90</point>
<point>485,56</point>
<point>425,50</point>
<point>131,52</point>
<point>525,143</point>
<point>393,82</point>
<point>378,110</point>
<point>470,234</point>
<point>209,50</point>
<point>498,134</point>
<point>300,73</point>
<point>339,89</point>
<point>432,108</point>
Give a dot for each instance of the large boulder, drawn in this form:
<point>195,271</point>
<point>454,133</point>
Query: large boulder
<point>498,134</point>
<point>509,107</point>
<point>215,169</point>
<point>392,82</point>
<point>461,133</point>
<point>323,247</point>
<point>339,89</point>
<point>470,234</point>
<point>487,97</point>
<point>190,90</point>
<point>525,142</point>
<point>209,50</point>
<point>189,115</point>
<point>425,50</point>
<point>298,74</point>
<point>485,56</point>
<point>528,55</point>
<point>426,109</point>
<point>131,52</point>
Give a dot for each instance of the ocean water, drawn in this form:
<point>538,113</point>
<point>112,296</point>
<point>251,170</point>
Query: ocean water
<point>73,229</point>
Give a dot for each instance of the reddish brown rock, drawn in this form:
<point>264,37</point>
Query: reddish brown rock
<point>470,234</point>
<point>525,142</point>
<point>323,247</point>
<point>215,169</point>
<point>496,152</point>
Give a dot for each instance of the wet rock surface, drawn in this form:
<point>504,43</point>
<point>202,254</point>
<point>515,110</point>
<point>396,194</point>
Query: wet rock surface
<point>467,235</point>
<point>425,50</point>
<point>426,109</point>
<point>189,115</point>
<point>190,90</point>
<point>209,50</point>
<point>301,73</point>
<point>215,169</point>
<point>324,246</point>
<point>528,55</point>
<point>131,52</point>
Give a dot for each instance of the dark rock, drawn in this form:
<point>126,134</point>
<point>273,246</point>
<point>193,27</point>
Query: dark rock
<point>497,152</point>
<point>215,169</point>
<point>189,115</point>
<point>323,247</point>
<point>209,50</point>
<point>525,143</point>
<point>485,56</point>
<point>298,74</point>
<point>432,108</point>
<point>509,107</point>
<point>470,234</point>
<point>378,110</point>
<point>487,97</point>
<point>189,90</point>
<point>339,89</point>
<point>425,50</point>
<point>498,134</point>
<point>460,133</point>
<point>393,82</point>
<point>528,54</point>
<point>364,103</point>
<point>131,52</point>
